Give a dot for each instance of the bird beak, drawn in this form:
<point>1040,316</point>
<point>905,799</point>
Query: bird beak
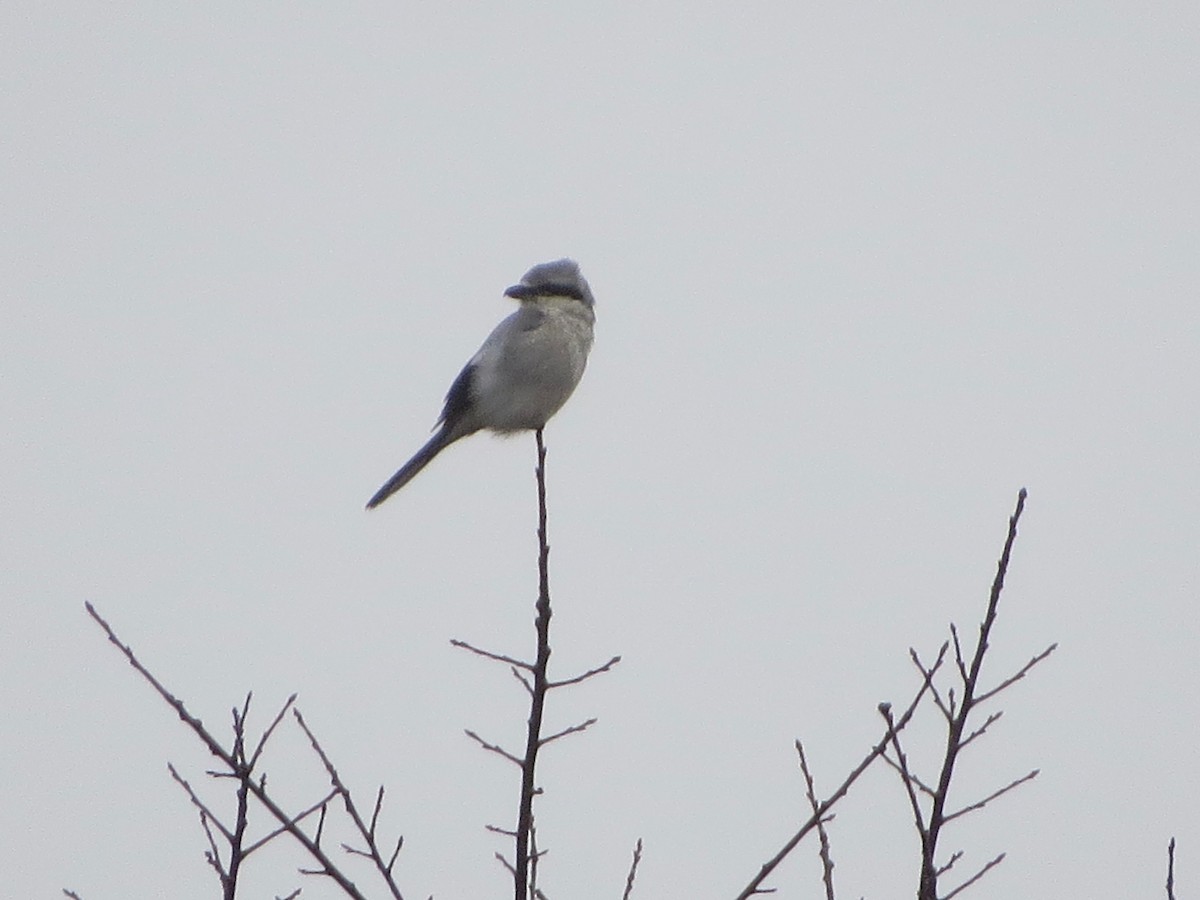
<point>519,292</point>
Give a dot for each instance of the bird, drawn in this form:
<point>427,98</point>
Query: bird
<point>523,373</point>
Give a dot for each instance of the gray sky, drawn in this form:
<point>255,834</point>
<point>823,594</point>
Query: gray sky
<point>862,271</point>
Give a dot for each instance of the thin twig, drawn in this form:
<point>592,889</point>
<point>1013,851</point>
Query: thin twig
<point>927,889</point>
<point>488,654</point>
<point>992,796</point>
<point>954,857</point>
<point>770,865</point>
<point>198,803</point>
<point>493,748</point>
<point>266,736</point>
<point>1171,870</point>
<point>991,720</point>
<point>504,862</point>
<point>933,691</point>
<point>958,654</point>
<point>1013,679</point>
<point>241,817</point>
<point>366,833</point>
<point>974,878</point>
<point>633,867</point>
<point>516,673</point>
<point>590,673</point>
<point>296,820</point>
<point>213,855</point>
<point>535,857</point>
<point>906,777</point>
<point>214,747</point>
<point>538,697</point>
<point>810,791</point>
<point>917,782</point>
<point>574,729</point>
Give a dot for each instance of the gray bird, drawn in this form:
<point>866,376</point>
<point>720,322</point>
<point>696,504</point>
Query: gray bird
<point>525,370</point>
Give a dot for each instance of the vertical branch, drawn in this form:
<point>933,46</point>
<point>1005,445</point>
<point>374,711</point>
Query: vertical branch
<point>237,841</point>
<point>539,685</point>
<point>633,867</point>
<point>822,834</point>
<point>954,737</point>
<point>1171,870</point>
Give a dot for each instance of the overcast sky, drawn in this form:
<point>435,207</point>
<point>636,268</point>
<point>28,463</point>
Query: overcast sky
<point>862,271</point>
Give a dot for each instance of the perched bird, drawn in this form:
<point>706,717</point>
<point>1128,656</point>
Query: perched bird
<point>525,370</point>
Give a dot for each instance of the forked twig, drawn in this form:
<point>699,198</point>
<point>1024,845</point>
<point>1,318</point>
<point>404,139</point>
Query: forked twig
<point>237,766</point>
<point>956,711</point>
<point>367,833</point>
<point>810,792</point>
<point>754,886</point>
<point>974,878</point>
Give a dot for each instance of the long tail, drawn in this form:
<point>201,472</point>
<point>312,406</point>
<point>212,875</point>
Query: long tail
<point>409,470</point>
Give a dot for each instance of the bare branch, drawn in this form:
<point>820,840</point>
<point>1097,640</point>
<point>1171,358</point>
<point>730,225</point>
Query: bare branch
<point>637,858</point>
<point>239,728</point>
<point>917,782</point>
<point>524,858</point>
<point>296,820</point>
<point>198,803</point>
<point>574,729</point>
<point>946,711</point>
<point>266,736</point>
<point>928,889</point>
<point>974,878</point>
<point>822,835</point>
<point>504,862</point>
<point>375,814</point>
<point>954,857</point>
<point>1170,870</point>
<point>517,674</point>
<point>494,748</point>
<point>770,865</point>
<point>311,847</point>
<point>905,776</point>
<point>367,834</point>
<point>395,853</point>
<point>1007,682</point>
<point>981,729</point>
<point>488,654</point>
<point>958,654</point>
<point>324,813</point>
<point>992,796</point>
<point>213,855</point>
<point>590,673</point>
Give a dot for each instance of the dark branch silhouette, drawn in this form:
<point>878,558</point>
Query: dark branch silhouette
<point>229,845</point>
<point>810,791</point>
<point>242,769</point>
<point>959,702</point>
<point>534,678</point>
<point>755,885</point>
<point>1171,870</point>
<point>633,867</point>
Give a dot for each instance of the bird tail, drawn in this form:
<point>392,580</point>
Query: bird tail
<point>409,470</point>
